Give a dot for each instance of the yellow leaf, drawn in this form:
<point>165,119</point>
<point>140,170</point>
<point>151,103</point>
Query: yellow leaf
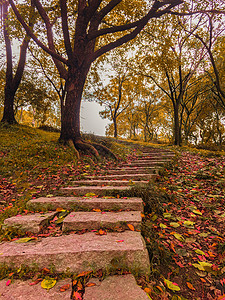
<point>97,210</point>
<point>48,283</point>
<point>190,286</point>
<point>200,252</point>
<point>25,240</point>
<point>131,227</point>
<point>172,285</point>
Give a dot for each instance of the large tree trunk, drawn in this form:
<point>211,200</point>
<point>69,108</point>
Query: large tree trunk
<point>8,114</point>
<point>70,114</point>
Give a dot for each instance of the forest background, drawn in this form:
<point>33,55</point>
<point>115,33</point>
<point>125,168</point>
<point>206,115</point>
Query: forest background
<point>166,85</point>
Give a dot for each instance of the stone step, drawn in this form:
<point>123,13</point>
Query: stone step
<point>98,190</point>
<point>159,153</point>
<point>80,203</point>
<point>31,222</point>
<point>150,158</point>
<point>79,253</point>
<point>96,220</point>
<point>140,170</point>
<point>115,288</point>
<point>21,290</point>
<point>99,182</point>
<point>147,161</point>
<point>144,164</point>
<point>135,177</point>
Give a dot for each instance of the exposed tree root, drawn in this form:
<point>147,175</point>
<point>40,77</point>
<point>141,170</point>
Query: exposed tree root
<point>86,147</point>
<point>104,150</point>
<point>71,145</point>
<point>89,148</point>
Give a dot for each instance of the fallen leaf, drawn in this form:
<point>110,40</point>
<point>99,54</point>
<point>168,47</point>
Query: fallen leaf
<point>36,281</point>
<point>174,224</point>
<point>76,296</point>
<point>8,282</point>
<point>172,285</point>
<point>190,286</point>
<point>48,283</point>
<point>131,227</point>
<point>85,273</point>
<point>64,287</point>
<point>25,240</point>
<point>200,252</point>
<point>101,232</point>
<point>89,284</point>
<point>162,225</point>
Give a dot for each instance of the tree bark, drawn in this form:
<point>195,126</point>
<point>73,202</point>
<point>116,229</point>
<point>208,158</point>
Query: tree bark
<point>70,114</point>
<point>115,128</point>
<point>8,114</point>
<point>12,82</point>
<point>177,129</point>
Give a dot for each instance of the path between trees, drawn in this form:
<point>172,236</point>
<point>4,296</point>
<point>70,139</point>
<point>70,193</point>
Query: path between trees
<point>97,233</point>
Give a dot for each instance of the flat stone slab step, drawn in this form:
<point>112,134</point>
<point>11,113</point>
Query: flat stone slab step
<point>115,288</point>
<point>135,177</point>
<point>80,253</point>
<point>80,203</point>
<point>150,158</point>
<point>128,171</point>
<point>31,222</point>
<point>144,164</point>
<point>97,182</point>
<point>21,290</point>
<point>149,161</point>
<point>98,190</point>
<point>96,220</point>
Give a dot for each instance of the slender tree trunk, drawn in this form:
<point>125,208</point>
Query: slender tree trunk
<point>177,129</point>
<point>115,128</point>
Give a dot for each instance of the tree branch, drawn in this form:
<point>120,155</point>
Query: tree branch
<point>154,12</point>
<point>65,29</point>
<point>37,41</point>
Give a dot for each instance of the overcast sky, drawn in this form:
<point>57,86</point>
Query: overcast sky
<point>91,122</point>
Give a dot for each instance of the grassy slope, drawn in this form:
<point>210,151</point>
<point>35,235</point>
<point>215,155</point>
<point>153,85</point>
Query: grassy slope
<point>33,163</point>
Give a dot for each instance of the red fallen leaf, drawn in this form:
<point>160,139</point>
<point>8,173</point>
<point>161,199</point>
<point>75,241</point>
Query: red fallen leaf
<point>131,227</point>
<point>178,263</point>
<point>36,281</point>
<point>85,273</point>
<point>172,247</point>
<point>64,287</point>
<point>101,232</point>
<point>8,282</point>
<point>11,274</point>
<point>46,270</point>
<point>120,241</point>
<point>203,280</point>
<point>90,284</point>
<point>76,296</point>
<point>190,286</point>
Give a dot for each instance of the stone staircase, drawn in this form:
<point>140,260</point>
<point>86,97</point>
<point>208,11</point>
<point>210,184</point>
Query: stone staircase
<point>96,232</point>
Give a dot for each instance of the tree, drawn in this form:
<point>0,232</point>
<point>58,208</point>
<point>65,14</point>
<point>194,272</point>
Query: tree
<point>12,81</point>
<point>89,30</point>
<point>170,63</point>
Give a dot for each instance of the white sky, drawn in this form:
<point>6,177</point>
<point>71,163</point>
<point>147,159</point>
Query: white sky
<point>91,122</point>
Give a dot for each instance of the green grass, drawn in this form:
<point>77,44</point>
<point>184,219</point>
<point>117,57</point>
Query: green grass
<point>25,149</point>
